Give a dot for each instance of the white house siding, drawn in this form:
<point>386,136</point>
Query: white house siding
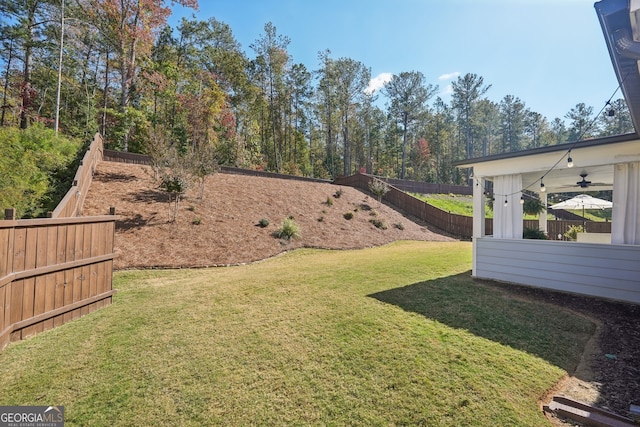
<point>600,270</point>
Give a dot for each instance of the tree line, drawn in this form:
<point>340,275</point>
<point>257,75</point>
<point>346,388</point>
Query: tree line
<point>116,67</point>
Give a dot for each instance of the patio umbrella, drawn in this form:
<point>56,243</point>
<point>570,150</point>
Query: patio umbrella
<point>583,201</point>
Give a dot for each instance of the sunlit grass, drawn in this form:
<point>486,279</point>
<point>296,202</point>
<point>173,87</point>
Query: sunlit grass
<point>396,335</point>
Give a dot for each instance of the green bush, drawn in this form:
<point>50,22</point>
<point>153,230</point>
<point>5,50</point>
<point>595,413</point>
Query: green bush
<point>35,169</point>
<point>348,215</point>
<point>197,221</point>
<point>329,201</point>
<point>378,223</point>
<point>338,193</point>
<point>264,222</point>
<point>289,230</point>
<point>572,231</point>
<point>533,233</point>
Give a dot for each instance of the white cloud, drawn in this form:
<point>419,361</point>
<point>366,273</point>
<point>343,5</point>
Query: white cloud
<point>377,82</point>
<point>448,90</point>
<point>449,76</point>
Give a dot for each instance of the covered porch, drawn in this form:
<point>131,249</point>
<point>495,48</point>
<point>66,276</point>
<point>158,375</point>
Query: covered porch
<point>609,268</point>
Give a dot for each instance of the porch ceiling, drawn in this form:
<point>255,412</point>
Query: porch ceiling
<point>595,157</point>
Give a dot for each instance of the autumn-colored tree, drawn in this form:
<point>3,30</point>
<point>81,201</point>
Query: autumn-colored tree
<point>129,27</point>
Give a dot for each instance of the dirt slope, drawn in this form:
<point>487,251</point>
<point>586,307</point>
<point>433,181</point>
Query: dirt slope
<point>228,215</point>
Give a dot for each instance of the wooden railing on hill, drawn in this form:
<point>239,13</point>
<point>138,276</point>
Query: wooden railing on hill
<point>456,225</point>
<point>427,187</point>
<point>71,204</point>
<point>53,270</point>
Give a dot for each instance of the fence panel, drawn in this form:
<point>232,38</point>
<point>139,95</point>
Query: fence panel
<point>53,271</point>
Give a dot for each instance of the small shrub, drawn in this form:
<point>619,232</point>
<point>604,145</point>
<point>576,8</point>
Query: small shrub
<point>320,219</point>
<point>399,226</point>
<point>191,208</point>
<point>329,201</point>
<point>573,231</point>
<point>264,222</point>
<point>289,230</point>
<point>175,185</point>
<point>379,188</point>
<point>338,193</point>
<point>348,215</point>
<point>533,233</point>
<point>378,223</point>
<point>197,221</point>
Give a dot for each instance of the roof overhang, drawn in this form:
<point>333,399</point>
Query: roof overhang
<point>620,22</point>
<point>595,157</point>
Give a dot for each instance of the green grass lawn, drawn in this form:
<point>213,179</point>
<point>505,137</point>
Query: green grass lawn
<point>395,335</point>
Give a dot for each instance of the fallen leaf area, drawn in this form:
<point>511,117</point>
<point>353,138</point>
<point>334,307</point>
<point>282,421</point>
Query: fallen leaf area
<point>223,228</point>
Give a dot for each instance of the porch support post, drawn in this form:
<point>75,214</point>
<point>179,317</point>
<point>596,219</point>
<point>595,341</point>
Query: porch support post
<point>478,208</point>
<point>478,219</point>
<point>542,221</point>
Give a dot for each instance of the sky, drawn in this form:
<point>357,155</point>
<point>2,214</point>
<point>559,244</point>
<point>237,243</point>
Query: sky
<point>549,53</point>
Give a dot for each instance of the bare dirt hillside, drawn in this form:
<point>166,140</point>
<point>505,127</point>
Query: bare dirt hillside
<point>222,227</point>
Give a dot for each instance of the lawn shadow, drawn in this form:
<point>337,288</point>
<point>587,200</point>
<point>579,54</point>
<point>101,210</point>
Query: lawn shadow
<point>555,326</point>
<point>458,301</point>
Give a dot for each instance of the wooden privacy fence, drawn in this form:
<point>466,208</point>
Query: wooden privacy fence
<point>71,204</point>
<point>457,225</point>
<point>54,270</point>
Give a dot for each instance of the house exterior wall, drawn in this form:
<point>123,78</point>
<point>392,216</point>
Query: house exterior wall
<point>600,270</point>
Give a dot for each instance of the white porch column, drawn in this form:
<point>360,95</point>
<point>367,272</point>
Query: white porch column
<point>478,208</point>
<point>478,220</point>
<point>542,221</point>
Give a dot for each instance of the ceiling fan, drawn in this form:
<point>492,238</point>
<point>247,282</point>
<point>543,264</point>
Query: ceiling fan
<point>584,183</point>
